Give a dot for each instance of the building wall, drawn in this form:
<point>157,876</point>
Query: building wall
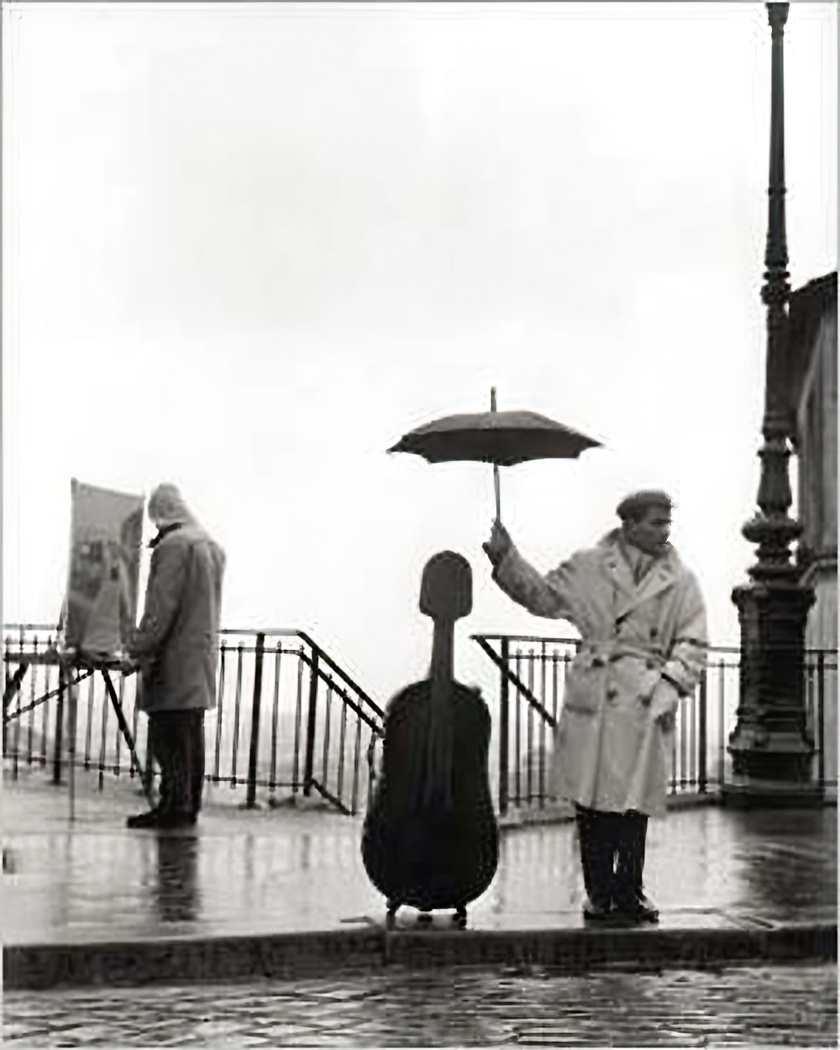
<point>816,418</point>
<point>817,447</point>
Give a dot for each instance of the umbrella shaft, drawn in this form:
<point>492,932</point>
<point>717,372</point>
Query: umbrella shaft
<point>496,486</point>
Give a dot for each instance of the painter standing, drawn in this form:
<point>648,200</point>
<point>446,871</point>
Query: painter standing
<point>642,621</point>
<point>176,648</point>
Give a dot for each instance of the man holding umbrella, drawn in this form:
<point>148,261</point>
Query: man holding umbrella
<point>643,625</point>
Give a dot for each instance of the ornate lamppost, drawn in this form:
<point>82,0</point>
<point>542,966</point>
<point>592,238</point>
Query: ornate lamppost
<point>770,748</point>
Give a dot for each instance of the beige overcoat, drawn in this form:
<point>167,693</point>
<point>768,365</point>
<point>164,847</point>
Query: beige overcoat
<point>177,640</point>
<point>643,646</point>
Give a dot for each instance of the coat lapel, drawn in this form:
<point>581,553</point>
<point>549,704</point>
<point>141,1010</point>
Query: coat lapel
<point>662,574</point>
<point>615,568</point>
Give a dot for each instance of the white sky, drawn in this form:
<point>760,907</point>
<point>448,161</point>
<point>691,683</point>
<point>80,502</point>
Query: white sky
<point>249,246</point>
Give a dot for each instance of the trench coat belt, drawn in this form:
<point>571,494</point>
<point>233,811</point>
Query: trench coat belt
<point>609,651</point>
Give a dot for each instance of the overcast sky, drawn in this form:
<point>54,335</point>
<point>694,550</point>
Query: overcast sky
<point>249,246</point>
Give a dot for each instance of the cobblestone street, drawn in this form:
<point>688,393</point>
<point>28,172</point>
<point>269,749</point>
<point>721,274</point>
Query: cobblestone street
<point>790,1005</point>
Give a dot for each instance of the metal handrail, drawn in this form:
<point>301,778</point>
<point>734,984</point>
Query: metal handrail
<point>698,746</point>
<point>342,674</point>
<point>342,692</point>
<point>267,632</point>
<point>517,681</point>
<point>577,642</point>
<point>250,662</point>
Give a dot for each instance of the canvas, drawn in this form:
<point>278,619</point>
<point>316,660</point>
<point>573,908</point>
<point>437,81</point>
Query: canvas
<point>105,537</point>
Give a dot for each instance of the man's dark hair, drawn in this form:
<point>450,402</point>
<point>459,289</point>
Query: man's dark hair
<point>636,506</point>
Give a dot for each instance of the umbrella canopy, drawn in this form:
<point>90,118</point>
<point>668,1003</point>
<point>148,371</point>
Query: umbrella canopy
<point>504,438</point>
<point>500,438</point>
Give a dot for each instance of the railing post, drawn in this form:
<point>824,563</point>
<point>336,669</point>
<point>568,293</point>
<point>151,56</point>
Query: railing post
<point>59,725</point>
<point>309,757</point>
<point>684,726</point>
<point>7,700</point>
<point>701,746</point>
<point>721,723</point>
<point>821,721</point>
<point>504,705</point>
<point>251,797</point>
<point>32,692</point>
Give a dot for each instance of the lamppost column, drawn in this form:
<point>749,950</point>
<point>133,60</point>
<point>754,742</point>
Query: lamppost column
<point>771,751</point>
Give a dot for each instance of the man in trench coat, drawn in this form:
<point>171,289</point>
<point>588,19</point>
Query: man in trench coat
<point>642,620</point>
<point>176,648</point>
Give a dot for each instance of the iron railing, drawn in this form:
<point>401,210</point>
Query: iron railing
<point>287,717</point>
<point>532,674</point>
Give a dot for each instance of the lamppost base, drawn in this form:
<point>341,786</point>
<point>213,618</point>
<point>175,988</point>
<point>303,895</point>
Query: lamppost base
<point>755,793</point>
<point>772,751</point>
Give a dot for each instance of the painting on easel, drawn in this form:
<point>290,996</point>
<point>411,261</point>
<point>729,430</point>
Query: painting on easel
<point>105,538</point>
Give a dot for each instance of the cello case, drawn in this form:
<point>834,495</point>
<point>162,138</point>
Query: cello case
<point>430,836</point>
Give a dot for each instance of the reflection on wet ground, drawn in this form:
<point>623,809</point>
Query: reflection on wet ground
<point>286,870</point>
<point>176,890</point>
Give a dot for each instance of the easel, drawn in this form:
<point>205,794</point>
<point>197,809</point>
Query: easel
<point>74,667</point>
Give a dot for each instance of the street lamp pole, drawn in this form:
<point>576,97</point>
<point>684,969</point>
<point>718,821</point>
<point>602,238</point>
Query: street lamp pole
<point>770,748</point>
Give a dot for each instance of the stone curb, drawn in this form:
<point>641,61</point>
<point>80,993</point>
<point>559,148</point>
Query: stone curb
<point>578,951</point>
<point>296,955</point>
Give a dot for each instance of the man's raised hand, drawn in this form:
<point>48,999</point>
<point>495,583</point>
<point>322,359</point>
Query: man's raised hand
<point>499,543</point>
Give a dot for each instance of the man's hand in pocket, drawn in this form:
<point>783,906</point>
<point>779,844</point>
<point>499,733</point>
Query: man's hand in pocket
<point>664,703</point>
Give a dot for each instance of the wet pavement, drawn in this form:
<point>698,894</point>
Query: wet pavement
<point>254,894</point>
<point>748,1006</point>
<point>287,870</point>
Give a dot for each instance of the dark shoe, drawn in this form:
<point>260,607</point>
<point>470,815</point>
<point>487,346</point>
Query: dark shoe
<point>641,910</point>
<point>646,910</point>
<point>595,912</point>
<point>144,820</point>
<point>156,819</point>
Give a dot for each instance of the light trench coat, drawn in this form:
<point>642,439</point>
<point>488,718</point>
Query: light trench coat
<point>643,647</point>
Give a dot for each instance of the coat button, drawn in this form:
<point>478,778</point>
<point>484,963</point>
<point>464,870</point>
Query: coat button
<point>597,661</point>
<point>651,664</point>
<point>612,693</point>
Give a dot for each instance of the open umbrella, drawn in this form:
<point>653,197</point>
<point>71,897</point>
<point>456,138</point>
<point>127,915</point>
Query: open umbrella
<point>500,438</point>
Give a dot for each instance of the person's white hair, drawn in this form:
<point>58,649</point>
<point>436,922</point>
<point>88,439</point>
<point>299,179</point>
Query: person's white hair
<point>167,506</point>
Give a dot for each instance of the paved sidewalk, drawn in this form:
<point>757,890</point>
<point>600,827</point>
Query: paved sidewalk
<point>275,890</point>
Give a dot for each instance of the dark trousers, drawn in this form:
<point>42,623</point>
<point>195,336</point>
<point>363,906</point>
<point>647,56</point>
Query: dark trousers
<point>612,855</point>
<point>177,742</point>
